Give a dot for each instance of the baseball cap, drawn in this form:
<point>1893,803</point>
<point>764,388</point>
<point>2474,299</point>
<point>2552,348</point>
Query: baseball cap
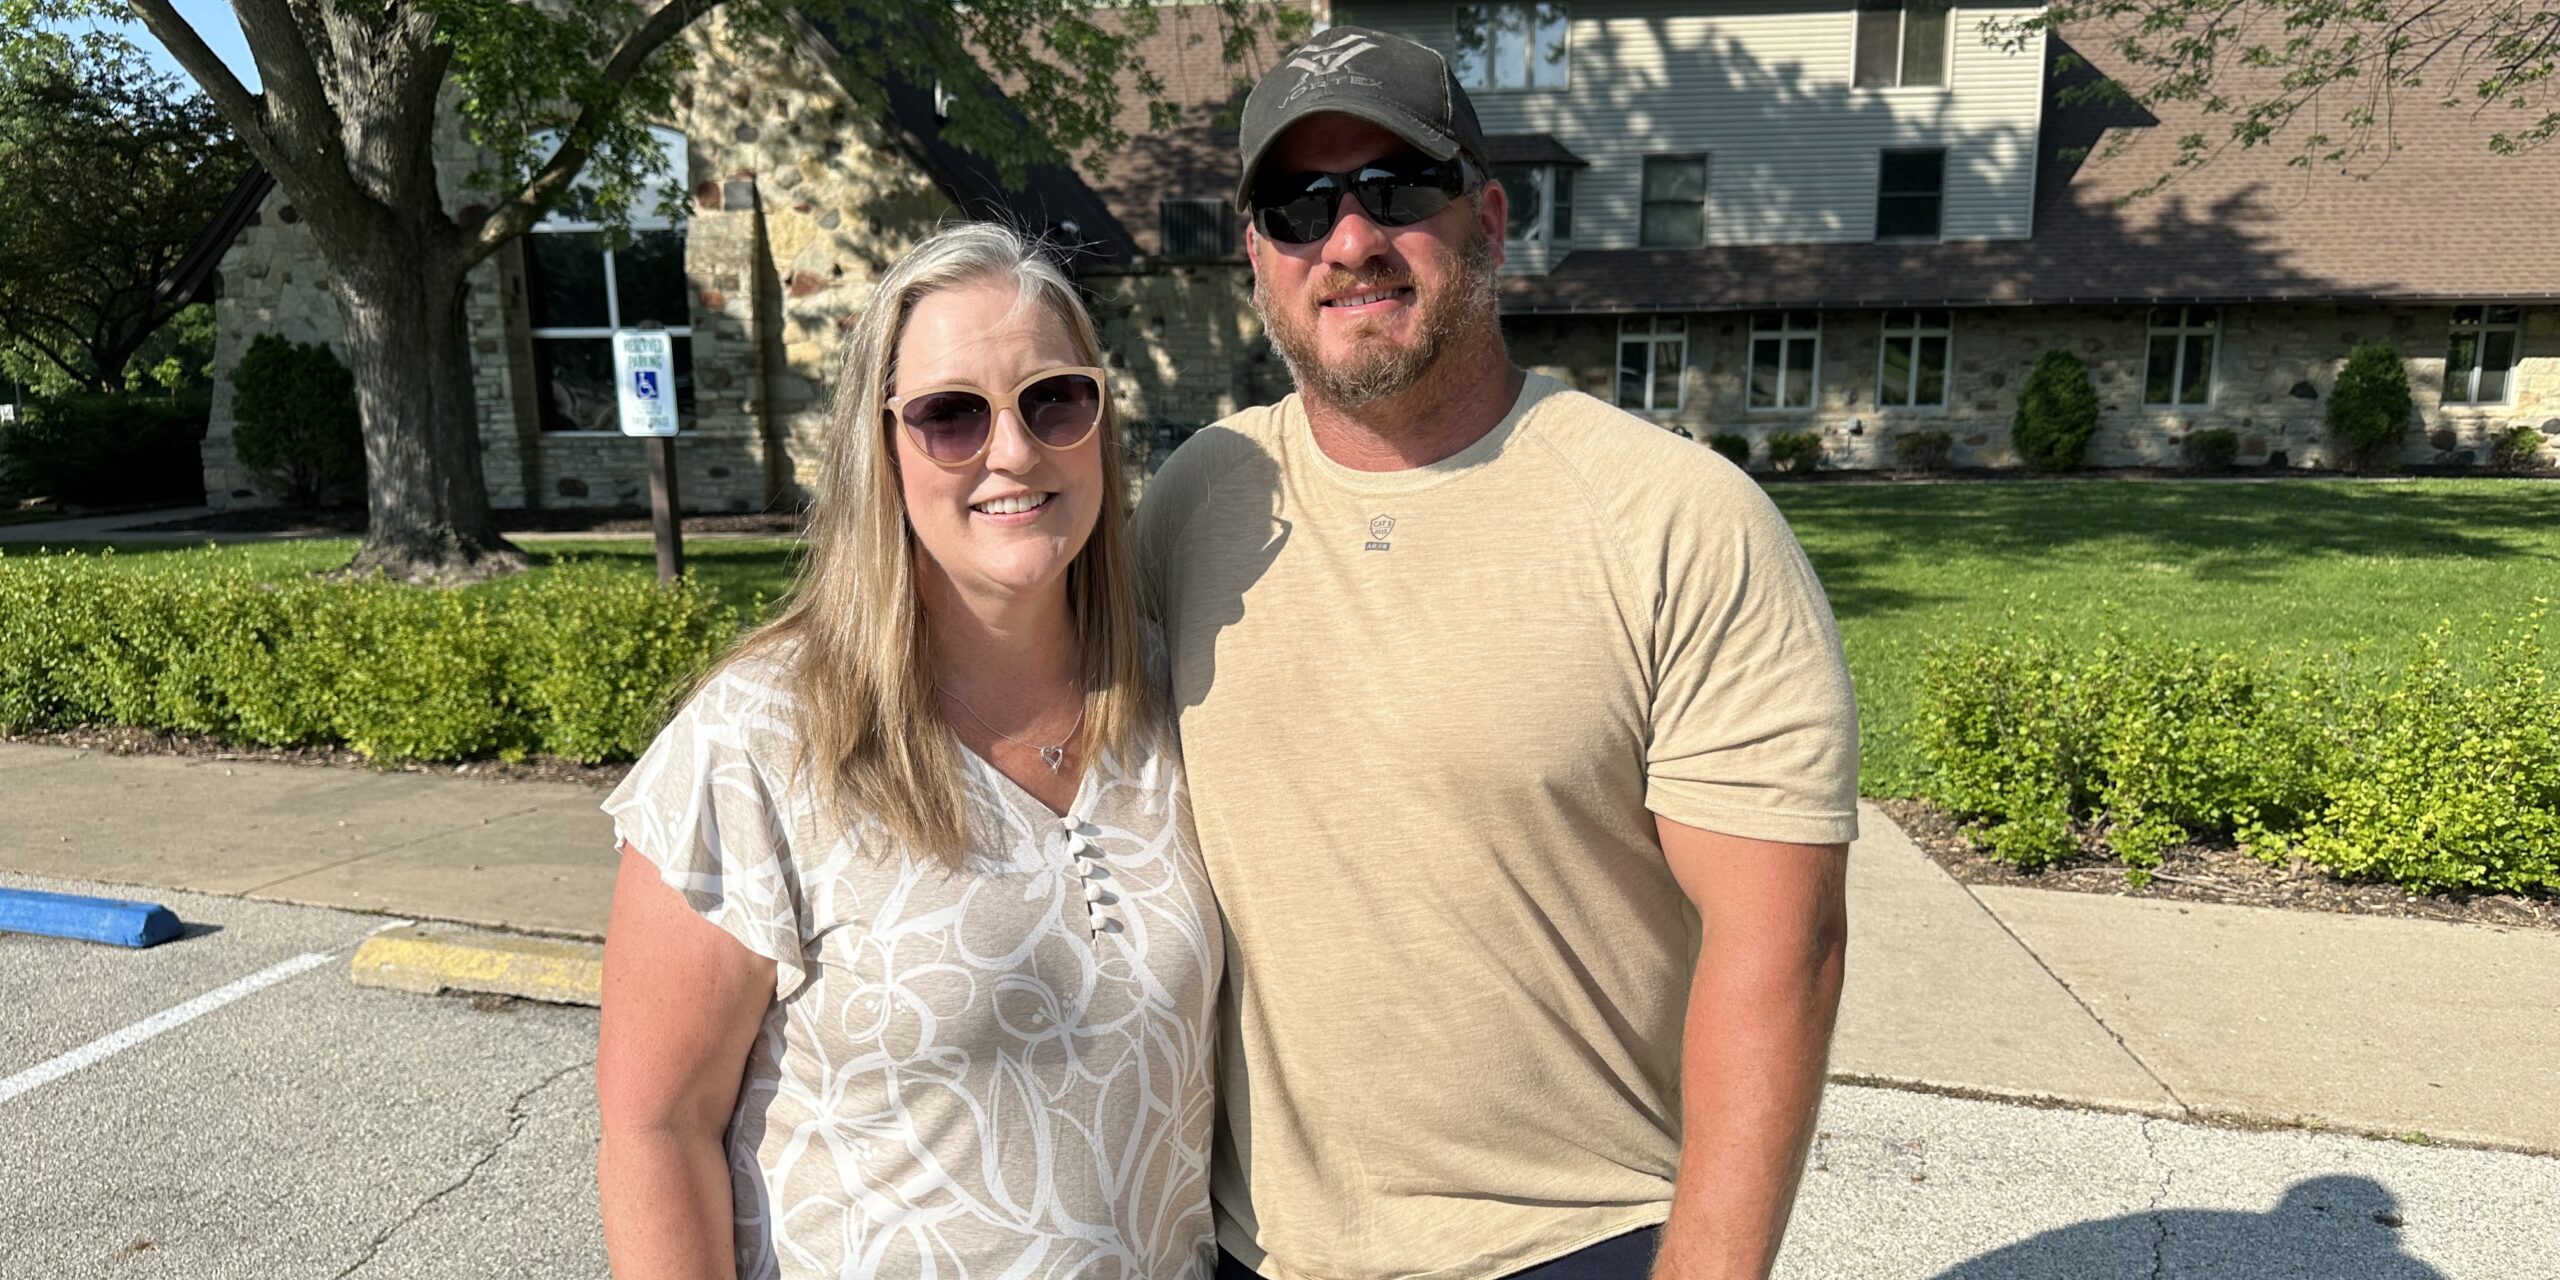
<point>1387,80</point>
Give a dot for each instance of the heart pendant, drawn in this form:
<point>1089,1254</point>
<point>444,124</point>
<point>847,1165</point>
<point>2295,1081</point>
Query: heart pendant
<point>1053,757</point>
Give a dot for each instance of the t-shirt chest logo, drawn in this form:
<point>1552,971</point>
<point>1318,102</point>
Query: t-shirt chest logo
<point>1379,528</point>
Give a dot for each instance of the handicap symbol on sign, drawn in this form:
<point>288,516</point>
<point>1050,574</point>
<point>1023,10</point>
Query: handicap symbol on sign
<point>645,383</point>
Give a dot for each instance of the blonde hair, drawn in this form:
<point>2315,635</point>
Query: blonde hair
<point>853,632</point>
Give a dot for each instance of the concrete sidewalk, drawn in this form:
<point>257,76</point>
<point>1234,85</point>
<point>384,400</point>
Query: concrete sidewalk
<point>2362,1024</point>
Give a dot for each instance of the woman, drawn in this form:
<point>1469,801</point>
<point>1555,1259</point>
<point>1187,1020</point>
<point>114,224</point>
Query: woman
<point>912,966</point>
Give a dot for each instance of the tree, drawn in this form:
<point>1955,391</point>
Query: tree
<point>346,119</point>
<point>107,173</point>
<point>2328,76</point>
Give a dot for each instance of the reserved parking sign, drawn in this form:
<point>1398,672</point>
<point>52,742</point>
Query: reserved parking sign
<point>644,378</point>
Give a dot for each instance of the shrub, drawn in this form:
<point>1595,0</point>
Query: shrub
<point>1734,447</point>
<point>2212,449</point>
<point>296,424</point>
<point>1923,450</point>
<point>108,451</point>
<point>2057,413</point>
<point>2518,448</point>
<point>578,661</point>
<point>2444,775</point>
<point>2369,409</point>
<point>1795,451</point>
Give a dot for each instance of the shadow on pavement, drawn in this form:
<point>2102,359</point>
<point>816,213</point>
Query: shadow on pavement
<point>2332,1228</point>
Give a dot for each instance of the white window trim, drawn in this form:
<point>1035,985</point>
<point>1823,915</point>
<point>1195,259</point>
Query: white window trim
<point>1753,334</point>
<point>1915,331</point>
<point>1706,193</point>
<point>2178,369</point>
<point>1901,54</point>
<point>1543,178</point>
<point>1649,337</point>
<point>1491,85</point>
<point>2480,330</point>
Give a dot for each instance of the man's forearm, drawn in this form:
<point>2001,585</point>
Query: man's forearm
<point>1757,1039</point>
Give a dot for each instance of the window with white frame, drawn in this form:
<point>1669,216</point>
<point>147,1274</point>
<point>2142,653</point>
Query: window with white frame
<point>1911,371</point>
<point>1902,43</point>
<point>1652,350</point>
<point>1786,353</point>
<point>1675,202</point>
<point>1512,46</point>
<point>2480,361</point>
<point>1911,194</point>
<point>2179,367</point>
<point>581,288</point>
<point>1541,197</point>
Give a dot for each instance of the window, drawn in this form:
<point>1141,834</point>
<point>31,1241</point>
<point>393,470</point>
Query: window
<point>1511,46</point>
<point>1912,370</point>
<point>1901,43</point>
<point>1786,347</point>
<point>1195,228</point>
<point>1911,191</point>
<point>2180,368</point>
<point>2479,364</point>
<point>581,289</point>
<point>1675,202</point>
<point>1652,350</point>
<point>1541,203</point>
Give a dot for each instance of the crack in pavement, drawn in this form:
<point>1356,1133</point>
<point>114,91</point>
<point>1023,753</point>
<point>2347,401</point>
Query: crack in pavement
<point>2076,998</point>
<point>516,1121</point>
<point>393,847</point>
<point>2159,1197</point>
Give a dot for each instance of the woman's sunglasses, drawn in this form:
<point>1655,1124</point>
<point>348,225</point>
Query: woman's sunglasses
<point>1301,208</point>
<point>953,424</point>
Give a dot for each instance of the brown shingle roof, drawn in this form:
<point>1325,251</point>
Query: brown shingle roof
<point>1196,158</point>
<point>2439,218</point>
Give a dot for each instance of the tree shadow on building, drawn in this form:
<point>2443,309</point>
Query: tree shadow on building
<point>2338,1227</point>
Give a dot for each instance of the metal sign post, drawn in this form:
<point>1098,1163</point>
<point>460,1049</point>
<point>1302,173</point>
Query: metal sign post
<point>644,376</point>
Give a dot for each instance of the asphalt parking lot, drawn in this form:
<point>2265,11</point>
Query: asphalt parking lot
<point>231,1105</point>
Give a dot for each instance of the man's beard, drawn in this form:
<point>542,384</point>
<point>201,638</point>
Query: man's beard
<point>1378,371</point>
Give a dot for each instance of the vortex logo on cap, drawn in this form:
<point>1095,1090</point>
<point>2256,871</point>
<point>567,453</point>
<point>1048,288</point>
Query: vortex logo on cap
<point>1326,60</point>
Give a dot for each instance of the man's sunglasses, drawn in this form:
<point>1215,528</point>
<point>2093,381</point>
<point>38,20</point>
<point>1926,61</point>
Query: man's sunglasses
<point>952,424</point>
<point>1301,208</point>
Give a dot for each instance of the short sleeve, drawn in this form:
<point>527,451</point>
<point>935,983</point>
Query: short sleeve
<point>1754,723</point>
<point>699,805</point>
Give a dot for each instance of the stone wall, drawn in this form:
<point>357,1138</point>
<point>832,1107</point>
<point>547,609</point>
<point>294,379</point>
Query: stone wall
<point>799,203</point>
<point>1185,349</point>
<point>2273,371</point>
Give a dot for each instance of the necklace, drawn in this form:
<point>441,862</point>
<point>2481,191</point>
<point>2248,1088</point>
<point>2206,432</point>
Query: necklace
<point>1050,756</point>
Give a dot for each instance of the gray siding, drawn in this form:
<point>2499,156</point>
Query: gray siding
<point>1764,91</point>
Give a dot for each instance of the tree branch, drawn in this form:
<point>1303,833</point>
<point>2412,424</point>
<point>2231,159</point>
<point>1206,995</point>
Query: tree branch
<point>308,123</point>
<point>229,96</point>
<point>513,216</point>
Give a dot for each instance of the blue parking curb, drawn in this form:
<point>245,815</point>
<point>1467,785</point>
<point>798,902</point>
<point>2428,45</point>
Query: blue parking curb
<point>68,915</point>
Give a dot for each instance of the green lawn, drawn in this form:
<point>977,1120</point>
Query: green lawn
<point>2249,566</point>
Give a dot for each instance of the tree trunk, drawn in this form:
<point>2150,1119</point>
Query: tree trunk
<point>409,348</point>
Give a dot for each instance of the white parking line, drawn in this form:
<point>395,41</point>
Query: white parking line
<point>113,1043</point>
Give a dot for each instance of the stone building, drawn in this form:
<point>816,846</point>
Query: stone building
<point>799,200</point>
<point>1855,221</point>
<point>1861,220</point>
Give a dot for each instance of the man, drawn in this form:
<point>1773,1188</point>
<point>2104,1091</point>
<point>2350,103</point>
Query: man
<point>1505,712</point>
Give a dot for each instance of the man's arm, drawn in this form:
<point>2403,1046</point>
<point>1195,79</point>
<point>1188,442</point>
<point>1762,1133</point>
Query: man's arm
<point>1776,926</point>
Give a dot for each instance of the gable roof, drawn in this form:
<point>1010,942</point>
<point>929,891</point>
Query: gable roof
<point>2438,218</point>
<point>1052,200</point>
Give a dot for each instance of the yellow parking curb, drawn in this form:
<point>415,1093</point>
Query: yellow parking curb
<point>433,959</point>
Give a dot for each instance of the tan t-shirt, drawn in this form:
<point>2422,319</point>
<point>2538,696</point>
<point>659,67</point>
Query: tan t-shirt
<point>1428,718</point>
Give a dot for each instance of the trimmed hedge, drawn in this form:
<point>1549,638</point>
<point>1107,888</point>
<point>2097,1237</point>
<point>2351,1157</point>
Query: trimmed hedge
<point>1735,448</point>
<point>1797,451</point>
<point>2369,408</point>
<point>2443,774</point>
<point>578,661</point>
<point>2057,413</point>
<point>1923,450</point>
<point>2212,449</point>
<point>108,451</point>
<point>298,429</point>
